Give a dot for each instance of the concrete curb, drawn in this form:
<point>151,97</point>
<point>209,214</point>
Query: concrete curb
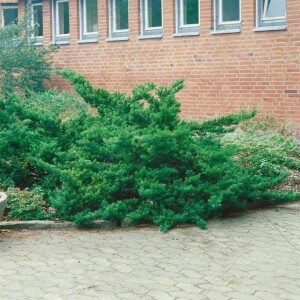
<point>44,225</point>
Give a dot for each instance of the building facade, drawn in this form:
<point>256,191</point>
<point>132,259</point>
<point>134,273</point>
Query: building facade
<point>233,53</point>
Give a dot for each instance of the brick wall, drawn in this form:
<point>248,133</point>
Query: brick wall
<point>224,72</point>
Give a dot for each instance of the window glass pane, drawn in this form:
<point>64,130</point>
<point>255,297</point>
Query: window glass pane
<point>10,16</point>
<point>63,18</point>
<point>154,13</point>
<point>274,8</point>
<point>38,20</point>
<point>230,10</point>
<point>190,12</point>
<point>91,9</point>
<point>121,14</point>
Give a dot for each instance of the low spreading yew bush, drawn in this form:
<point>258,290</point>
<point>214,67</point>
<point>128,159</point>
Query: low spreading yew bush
<point>135,158</point>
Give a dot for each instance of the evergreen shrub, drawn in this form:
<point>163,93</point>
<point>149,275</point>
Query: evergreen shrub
<point>31,130</point>
<point>134,158</point>
<point>137,159</point>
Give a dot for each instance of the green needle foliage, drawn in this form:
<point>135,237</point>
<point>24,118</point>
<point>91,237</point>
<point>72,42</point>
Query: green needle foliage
<point>137,159</point>
<point>134,159</point>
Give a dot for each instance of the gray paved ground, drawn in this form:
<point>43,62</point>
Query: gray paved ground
<point>253,256</point>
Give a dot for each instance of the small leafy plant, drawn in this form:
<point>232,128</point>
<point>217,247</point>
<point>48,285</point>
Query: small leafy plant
<point>26,205</point>
<point>264,147</point>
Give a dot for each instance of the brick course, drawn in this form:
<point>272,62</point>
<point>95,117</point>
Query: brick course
<point>224,72</point>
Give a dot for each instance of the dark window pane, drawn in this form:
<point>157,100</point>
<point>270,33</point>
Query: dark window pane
<point>154,13</point>
<point>190,12</point>
<point>38,20</point>
<point>121,14</point>
<point>10,16</point>
<point>231,10</point>
<point>91,15</point>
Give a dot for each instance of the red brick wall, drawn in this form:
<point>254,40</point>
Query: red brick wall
<point>223,72</point>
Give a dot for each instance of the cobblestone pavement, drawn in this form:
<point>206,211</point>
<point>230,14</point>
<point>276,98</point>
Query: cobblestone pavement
<point>252,256</point>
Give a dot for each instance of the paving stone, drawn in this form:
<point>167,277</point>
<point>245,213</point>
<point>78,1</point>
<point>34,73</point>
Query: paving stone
<point>81,297</point>
<point>267,296</point>
<point>123,268</point>
<point>190,288</point>
<point>159,295</point>
<point>237,296</point>
<point>106,296</point>
<point>51,297</point>
<point>5,272</point>
<point>184,295</point>
<point>289,296</point>
<point>33,292</point>
<point>130,296</point>
<point>250,257</point>
<point>164,280</point>
<point>215,295</point>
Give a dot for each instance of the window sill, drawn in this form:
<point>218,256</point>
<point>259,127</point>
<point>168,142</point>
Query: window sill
<point>270,28</point>
<point>225,31</point>
<point>60,43</point>
<point>87,41</point>
<point>186,34</point>
<point>145,37</point>
<point>38,44</point>
<point>117,39</point>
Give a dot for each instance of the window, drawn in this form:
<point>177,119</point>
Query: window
<point>229,11</point>
<point>271,13</point>
<point>61,28</point>
<point>120,14</point>
<point>187,12</point>
<point>274,9</point>
<point>89,20</point>
<point>227,16</point>
<point>152,18</point>
<point>37,21</point>
<point>153,14</point>
<point>119,22</point>
<point>62,22</point>
<point>9,15</point>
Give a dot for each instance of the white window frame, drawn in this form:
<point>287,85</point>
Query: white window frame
<point>265,24</point>
<point>146,14</point>
<point>114,18</point>
<point>32,19</point>
<point>6,7</point>
<point>57,19</point>
<point>181,17</point>
<point>221,22</point>
<point>84,19</point>
<point>265,19</point>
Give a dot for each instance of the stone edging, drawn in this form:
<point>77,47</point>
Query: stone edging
<point>44,225</point>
